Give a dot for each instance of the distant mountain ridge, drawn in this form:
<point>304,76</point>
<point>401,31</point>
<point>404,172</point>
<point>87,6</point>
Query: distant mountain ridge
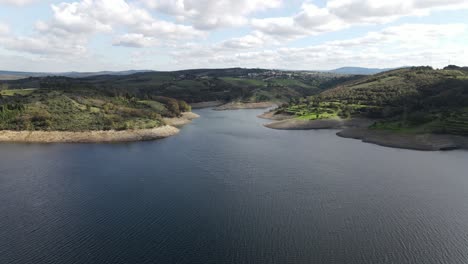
<point>360,70</point>
<point>15,75</point>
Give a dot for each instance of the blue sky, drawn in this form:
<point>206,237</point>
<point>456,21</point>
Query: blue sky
<point>92,35</point>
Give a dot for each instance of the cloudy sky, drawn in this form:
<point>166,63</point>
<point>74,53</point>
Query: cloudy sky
<point>91,35</point>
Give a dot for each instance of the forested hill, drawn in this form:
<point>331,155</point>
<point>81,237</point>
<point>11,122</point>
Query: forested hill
<point>141,100</point>
<point>418,99</point>
<point>251,85</point>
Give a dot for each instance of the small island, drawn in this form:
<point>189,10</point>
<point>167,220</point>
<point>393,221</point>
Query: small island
<point>413,108</point>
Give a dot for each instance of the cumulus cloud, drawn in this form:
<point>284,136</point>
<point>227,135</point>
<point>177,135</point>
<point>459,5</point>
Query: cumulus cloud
<point>43,42</point>
<point>375,11</point>
<point>341,14</point>
<point>311,20</point>
<point>144,24</point>
<point>254,40</point>
<point>211,14</point>
<point>73,24</point>
<point>134,41</point>
<point>90,16</point>
<point>408,44</point>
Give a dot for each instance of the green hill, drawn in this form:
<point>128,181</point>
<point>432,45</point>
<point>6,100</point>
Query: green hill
<point>141,100</point>
<point>82,110</point>
<point>418,99</point>
<point>251,85</point>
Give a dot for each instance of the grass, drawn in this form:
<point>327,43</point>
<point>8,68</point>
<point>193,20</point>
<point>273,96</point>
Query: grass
<point>457,124</point>
<point>157,106</point>
<point>12,92</point>
<point>324,110</point>
<point>318,116</point>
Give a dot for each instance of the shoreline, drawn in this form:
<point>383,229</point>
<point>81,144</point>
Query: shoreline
<point>424,142</point>
<point>185,119</point>
<point>359,129</point>
<point>297,124</point>
<point>99,136</point>
<point>276,117</point>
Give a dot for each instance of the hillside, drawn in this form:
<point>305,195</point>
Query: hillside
<point>413,100</point>
<point>82,110</point>
<point>249,85</point>
<point>143,100</point>
<point>359,70</point>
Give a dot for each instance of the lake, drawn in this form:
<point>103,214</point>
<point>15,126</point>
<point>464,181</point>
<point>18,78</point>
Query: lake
<point>228,190</point>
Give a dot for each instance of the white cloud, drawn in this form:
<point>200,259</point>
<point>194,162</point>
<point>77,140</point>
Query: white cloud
<point>211,14</point>
<point>254,40</point>
<point>375,11</point>
<point>90,16</point>
<point>66,35</point>
<point>43,42</point>
<point>134,41</point>
<point>73,24</point>
<point>409,36</point>
<point>46,45</point>
<point>17,2</point>
<point>311,20</point>
<point>408,44</point>
<point>341,14</point>
<point>284,27</point>
<point>4,29</point>
<point>97,15</point>
<point>167,30</point>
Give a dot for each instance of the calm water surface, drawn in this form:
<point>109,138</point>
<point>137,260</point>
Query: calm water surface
<point>227,190</point>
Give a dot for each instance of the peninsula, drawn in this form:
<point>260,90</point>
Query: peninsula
<point>415,108</point>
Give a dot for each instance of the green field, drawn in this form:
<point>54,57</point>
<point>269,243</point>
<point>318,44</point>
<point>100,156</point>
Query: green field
<point>13,92</point>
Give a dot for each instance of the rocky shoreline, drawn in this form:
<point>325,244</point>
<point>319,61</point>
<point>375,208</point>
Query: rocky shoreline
<point>185,119</point>
<point>427,142</point>
<point>101,136</point>
<point>87,136</point>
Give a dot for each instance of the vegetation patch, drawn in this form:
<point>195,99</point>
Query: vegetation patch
<point>13,92</point>
<point>83,110</point>
<point>412,100</point>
